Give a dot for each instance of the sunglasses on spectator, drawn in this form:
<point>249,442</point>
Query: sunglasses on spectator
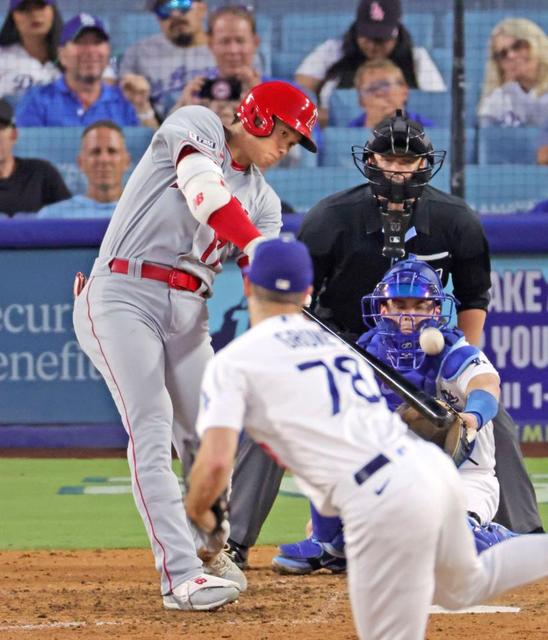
<point>380,86</point>
<point>165,9</point>
<point>518,45</point>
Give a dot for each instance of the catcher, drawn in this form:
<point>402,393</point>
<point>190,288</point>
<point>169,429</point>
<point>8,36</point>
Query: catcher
<point>410,314</point>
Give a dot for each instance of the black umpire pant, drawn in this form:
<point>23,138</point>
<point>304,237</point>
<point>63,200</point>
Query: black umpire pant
<point>257,479</point>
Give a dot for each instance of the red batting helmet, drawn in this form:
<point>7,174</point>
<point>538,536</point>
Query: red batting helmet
<point>286,102</point>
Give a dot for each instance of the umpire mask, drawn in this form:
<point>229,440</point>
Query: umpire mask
<point>397,136</point>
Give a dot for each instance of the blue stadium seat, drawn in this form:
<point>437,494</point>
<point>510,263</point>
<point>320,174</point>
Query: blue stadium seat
<point>59,144</point>
<point>264,29</point>
<point>338,141</point>
<point>56,144</point>
<point>343,107</point>
<point>502,145</point>
<point>443,58</point>
<point>128,28</point>
<point>304,31</point>
<point>505,188</point>
<point>303,188</point>
<point>285,63</point>
<point>478,24</point>
<point>436,106</point>
<point>99,7</point>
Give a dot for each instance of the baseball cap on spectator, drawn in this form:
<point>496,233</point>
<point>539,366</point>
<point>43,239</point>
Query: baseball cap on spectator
<point>80,23</point>
<point>14,4</point>
<point>281,265</point>
<point>6,113</point>
<point>378,19</point>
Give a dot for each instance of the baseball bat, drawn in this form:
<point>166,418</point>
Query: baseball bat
<point>424,403</point>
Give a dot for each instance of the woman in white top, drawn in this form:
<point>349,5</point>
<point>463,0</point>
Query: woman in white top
<point>376,34</point>
<point>515,88</point>
<point>28,45</point>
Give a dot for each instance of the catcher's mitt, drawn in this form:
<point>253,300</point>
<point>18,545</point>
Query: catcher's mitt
<point>456,439</point>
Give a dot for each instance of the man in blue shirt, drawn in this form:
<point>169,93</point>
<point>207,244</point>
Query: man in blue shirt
<point>79,97</point>
<point>103,159</point>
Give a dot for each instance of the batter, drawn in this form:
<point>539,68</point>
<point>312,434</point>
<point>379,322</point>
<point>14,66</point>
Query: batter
<point>195,198</point>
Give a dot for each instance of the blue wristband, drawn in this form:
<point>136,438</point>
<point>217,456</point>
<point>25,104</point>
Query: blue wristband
<point>483,405</point>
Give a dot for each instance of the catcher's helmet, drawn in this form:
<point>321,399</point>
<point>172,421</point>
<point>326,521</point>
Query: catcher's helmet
<point>398,136</point>
<point>407,279</point>
<point>283,101</point>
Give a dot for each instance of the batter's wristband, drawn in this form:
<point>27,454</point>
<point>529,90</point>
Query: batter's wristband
<point>483,405</point>
<point>232,223</point>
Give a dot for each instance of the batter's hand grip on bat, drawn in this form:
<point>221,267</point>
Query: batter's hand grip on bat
<point>424,403</point>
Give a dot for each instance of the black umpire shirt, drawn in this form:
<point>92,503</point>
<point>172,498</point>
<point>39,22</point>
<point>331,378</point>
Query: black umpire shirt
<point>344,235</point>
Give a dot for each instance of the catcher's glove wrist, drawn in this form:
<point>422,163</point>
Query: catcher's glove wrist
<point>456,438</point>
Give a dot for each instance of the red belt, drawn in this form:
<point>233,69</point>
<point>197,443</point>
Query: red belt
<point>174,278</point>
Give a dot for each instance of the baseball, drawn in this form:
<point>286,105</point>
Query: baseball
<point>431,341</point>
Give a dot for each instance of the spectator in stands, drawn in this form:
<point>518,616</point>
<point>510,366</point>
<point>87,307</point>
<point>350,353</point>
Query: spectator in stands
<point>377,33</point>
<point>28,45</point>
<point>26,184</point>
<point>382,89</point>
<point>233,40</point>
<point>542,153</point>
<point>168,60</point>
<point>515,88</point>
<point>103,159</point>
<point>80,97</point>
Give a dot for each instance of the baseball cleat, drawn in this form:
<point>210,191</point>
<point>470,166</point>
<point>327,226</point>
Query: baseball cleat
<point>238,554</point>
<point>202,593</point>
<point>224,567</point>
<point>307,556</point>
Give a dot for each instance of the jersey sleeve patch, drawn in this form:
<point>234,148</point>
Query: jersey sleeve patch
<point>457,360</point>
<point>202,141</point>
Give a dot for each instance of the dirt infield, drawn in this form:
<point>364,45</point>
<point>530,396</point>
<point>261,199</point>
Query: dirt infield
<point>114,595</point>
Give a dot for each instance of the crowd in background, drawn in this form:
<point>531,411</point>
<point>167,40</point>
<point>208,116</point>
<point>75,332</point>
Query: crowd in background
<point>60,71</point>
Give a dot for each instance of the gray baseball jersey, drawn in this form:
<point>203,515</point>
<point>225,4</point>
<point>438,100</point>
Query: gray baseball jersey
<point>151,342</point>
<point>152,221</point>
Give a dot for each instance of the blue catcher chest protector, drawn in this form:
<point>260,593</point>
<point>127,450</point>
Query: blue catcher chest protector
<point>398,333</point>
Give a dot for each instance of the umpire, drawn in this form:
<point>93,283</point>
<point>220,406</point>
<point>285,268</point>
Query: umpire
<point>354,236</point>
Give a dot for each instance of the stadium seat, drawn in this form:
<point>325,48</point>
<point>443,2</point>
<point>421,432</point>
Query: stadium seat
<point>508,145</point>
<point>478,24</point>
<point>304,31</point>
<point>59,144</point>
<point>343,107</point>
<point>505,188</point>
<point>56,144</point>
<point>436,106</point>
<point>285,63</point>
<point>303,188</point>
<point>338,141</point>
<point>99,8</point>
<point>443,58</point>
<point>128,28</point>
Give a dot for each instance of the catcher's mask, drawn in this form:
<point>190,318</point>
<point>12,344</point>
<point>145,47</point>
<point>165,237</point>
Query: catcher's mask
<point>400,331</point>
<point>398,136</point>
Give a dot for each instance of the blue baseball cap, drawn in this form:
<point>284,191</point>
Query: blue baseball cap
<point>281,265</point>
<point>75,26</point>
<point>14,4</point>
